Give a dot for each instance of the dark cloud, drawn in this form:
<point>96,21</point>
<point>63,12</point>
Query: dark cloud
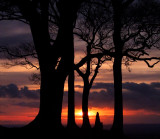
<point>142,96</point>
<point>136,96</point>
<point>32,94</point>
<point>156,85</point>
<point>28,104</point>
<point>14,32</point>
<point>104,98</point>
<point>12,91</point>
<point>15,40</point>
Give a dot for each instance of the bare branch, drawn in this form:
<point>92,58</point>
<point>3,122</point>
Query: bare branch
<point>16,54</point>
<point>151,65</point>
<point>96,55</point>
<point>20,56</point>
<point>145,60</point>
<point>35,78</point>
<point>95,73</point>
<point>79,72</point>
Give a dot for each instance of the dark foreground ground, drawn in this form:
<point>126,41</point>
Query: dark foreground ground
<point>64,133</point>
<point>143,131</point>
<point>140,131</point>
<point>130,131</point>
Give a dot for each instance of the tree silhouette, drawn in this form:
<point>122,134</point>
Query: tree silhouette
<point>133,35</point>
<point>39,14</point>
<point>91,30</point>
<point>125,30</point>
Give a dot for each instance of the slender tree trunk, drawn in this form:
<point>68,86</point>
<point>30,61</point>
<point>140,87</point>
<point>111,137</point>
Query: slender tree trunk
<point>85,97</point>
<point>68,12</point>
<point>71,101</point>
<point>57,106</point>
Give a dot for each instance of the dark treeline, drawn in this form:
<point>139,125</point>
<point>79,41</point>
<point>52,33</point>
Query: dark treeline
<point>122,31</point>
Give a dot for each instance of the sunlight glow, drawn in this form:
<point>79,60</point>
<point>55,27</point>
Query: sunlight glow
<point>79,113</point>
<point>90,113</point>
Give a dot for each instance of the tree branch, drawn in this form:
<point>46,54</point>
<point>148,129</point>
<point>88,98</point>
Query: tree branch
<point>145,60</point>
<point>97,55</point>
<point>80,72</point>
<point>95,73</point>
<point>149,65</point>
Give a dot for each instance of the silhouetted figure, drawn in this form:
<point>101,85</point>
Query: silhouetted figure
<point>98,123</point>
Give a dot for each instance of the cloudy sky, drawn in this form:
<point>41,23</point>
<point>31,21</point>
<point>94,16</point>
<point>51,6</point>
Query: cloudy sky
<point>19,97</point>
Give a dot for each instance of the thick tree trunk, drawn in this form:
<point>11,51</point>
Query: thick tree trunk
<point>118,99</point>
<point>71,91</point>
<point>50,90</point>
<point>52,77</point>
<point>52,80</point>
<point>117,71</point>
<point>85,97</point>
<point>51,98</point>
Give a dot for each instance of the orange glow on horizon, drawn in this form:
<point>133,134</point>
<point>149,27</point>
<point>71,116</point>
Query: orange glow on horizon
<point>17,115</point>
<point>106,115</point>
<point>80,113</point>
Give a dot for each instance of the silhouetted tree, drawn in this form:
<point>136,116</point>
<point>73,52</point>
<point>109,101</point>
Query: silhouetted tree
<point>127,35</point>
<point>38,14</point>
<point>71,101</point>
<point>133,44</point>
<point>71,92</point>
<point>133,35</point>
<point>91,30</point>
<point>25,55</point>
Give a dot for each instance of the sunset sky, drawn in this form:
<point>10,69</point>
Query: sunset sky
<point>19,97</point>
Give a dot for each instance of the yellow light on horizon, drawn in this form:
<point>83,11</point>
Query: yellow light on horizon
<point>90,113</point>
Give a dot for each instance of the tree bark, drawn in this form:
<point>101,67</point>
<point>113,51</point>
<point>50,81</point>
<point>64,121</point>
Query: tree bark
<point>52,77</point>
<point>52,80</point>
<point>71,92</point>
<point>118,99</point>
<point>71,101</point>
<point>48,100</point>
<point>117,71</point>
<point>85,97</point>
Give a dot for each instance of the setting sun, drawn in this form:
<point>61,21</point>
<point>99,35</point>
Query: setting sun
<point>79,113</point>
<point>90,113</point>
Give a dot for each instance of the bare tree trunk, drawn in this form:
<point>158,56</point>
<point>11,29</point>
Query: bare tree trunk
<point>71,101</point>
<point>117,71</point>
<point>118,99</point>
<point>52,77</point>
<point>52,80</point>
<point>71,91</point>
<point>86,89</point>
<point>49,100</point>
